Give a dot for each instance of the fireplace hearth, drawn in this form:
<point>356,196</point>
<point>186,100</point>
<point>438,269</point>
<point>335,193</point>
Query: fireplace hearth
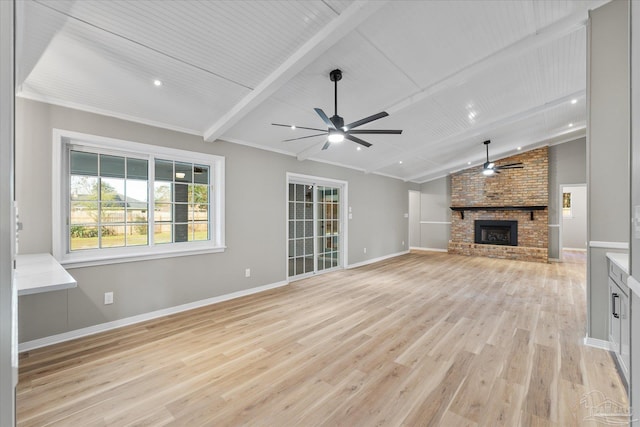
<point>496,232</point>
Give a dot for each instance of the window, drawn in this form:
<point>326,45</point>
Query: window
<point>117,201</point>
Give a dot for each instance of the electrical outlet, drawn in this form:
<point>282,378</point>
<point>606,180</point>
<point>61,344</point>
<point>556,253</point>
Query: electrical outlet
<point>247,272</point>
<point>108,298</point>
<point>365,250</point>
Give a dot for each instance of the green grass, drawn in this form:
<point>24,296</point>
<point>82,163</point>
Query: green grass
<point>79,243</point>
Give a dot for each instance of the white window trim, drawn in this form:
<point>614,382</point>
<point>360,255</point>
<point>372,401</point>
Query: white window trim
<point>63,138</point>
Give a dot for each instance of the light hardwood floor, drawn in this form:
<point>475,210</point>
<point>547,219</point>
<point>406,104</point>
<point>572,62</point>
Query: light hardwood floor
<point>421,339</point>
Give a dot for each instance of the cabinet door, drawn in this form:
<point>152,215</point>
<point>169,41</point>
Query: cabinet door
<point>614,316</point>
<point>625,348</point>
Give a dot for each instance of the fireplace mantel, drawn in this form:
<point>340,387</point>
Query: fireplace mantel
<point>461,209</point>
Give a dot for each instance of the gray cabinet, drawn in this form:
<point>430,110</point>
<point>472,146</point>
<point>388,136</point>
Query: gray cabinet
<point>619,320</point>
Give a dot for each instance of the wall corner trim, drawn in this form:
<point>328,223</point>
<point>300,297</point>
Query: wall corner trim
<point>103,327</point>
<point>374,260</point>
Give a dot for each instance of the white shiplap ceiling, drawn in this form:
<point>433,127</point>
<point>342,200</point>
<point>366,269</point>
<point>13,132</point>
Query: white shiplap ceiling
<point>450,73</point>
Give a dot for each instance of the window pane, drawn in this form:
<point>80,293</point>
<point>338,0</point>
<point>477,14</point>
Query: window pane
<point>136,215</point>
<point>137,193</point>
<point>180,193</point>
<point>112,236</point>
<point>84,187</point>
<point>84,213</point>
<point>199,193</point>
<point>299,193</point>
<point>201,174</point>
<point>112,189</point>
<point>198,231</point>
<point>137,168</point>
<point>181,212</point>
<point>84,163</point>
<point>163,212</point>
<point>164,170</point>
<point>162,192</point>
<point>201,213</point>
<point>112,212</point>
<point>162,233</point>
<point>137,235</point>
<point>184,172</point>
<point>112,166</point>
<point>83,237</point>
<point>180,232</point>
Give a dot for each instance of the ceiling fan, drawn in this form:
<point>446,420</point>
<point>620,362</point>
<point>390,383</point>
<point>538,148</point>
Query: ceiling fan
<point>337,131</point>
<point>489,168</point>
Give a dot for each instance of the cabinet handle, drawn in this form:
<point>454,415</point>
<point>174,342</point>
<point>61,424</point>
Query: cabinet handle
<point>613,304</point>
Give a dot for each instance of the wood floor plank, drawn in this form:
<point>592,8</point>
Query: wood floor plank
<point>421,339</point>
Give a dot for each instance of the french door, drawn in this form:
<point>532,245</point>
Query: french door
<point>315,227</point>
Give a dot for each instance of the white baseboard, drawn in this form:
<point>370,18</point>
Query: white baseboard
<point>417,248</point>
<point>575,249</point>
<point>555,260</point>
<point>95,329</point>
<point>373,260</point>
<point>596,343</point>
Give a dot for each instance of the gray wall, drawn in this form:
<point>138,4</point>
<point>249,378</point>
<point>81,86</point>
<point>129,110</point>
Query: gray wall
<point>8,350</point>
<point>567,165</point>
<point>255,224</point>
<point>607,151</point>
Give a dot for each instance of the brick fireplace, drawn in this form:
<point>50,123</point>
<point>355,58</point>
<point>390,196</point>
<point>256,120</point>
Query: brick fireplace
<point>518,196</point>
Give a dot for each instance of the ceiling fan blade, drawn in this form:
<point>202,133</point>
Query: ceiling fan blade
<point>376,131</point>
<point>366,120</point>
<point>511,165</point>
<point>326,145</point>
<point>357,140</point>
<point>304,137</point>
<point>324,118</point>
<point>298,127</point>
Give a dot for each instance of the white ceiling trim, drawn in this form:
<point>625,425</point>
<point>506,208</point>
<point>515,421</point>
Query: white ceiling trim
<point>346,22</point>
<point>546,35</point>
<point>477,131</point>
<point>108,113</point>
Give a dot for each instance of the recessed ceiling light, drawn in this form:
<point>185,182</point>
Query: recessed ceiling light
<point>519,148</point>
<point>574,101</point>
<point>570,125</point>
<point>400,162</point>
<point>157,82</point>
<point>472,115</point>
<point>358,148</point>
<point>468,163</point>
<point>293,127</point>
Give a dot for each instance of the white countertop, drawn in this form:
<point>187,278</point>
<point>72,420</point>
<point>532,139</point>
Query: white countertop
<point>620,259</point>
<point>37,273</point>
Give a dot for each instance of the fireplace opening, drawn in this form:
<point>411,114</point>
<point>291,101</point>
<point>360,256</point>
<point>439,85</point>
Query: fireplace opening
<point>496,232</point>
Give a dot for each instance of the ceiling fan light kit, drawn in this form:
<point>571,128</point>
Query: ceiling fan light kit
<point>337,131</point>
<point>489,168</point>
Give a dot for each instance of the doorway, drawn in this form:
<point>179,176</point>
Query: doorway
<point>573,218</point>
<point>315,226</point>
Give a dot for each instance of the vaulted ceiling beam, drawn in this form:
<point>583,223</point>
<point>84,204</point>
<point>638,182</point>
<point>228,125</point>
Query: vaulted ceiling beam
<point>346,22</point>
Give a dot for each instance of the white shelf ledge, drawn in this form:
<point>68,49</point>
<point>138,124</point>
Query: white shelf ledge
<point>37,273</point>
